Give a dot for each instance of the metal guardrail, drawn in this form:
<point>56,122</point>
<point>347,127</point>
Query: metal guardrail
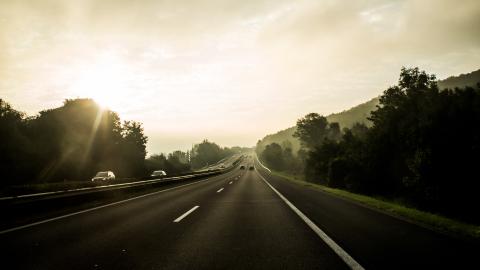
<point>30,208</point>
<point>108,187</point>
<point>117,186</point>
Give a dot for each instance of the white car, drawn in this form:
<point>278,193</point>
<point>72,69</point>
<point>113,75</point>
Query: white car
<point>104,176</point>
<point>158,173</point>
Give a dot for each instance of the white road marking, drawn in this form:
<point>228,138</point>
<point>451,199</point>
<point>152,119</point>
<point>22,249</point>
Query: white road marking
<point>220,190</point>
<point>262,164</point>
<point>354,265</point>
<point>186,214</point>
<point>96,208</point>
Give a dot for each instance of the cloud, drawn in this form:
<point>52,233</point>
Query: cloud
<point>347,32</point>
<point>267,61</point>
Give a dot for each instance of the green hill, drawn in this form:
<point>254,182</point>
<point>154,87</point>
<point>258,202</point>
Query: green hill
<point>357,114</point>
<point>282,137</point>
<point>462,80</point>
<point>361,112</point>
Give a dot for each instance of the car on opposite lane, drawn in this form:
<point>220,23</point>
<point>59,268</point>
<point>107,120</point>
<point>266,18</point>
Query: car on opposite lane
<point>104,176</point>
<point>159,173</point>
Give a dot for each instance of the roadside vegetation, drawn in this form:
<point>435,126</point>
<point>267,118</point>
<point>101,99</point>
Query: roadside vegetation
<point>396,208</point>
<point>422,149</point>
<point>359,114</point>
<point>69,143</point>
<point>64,147</point>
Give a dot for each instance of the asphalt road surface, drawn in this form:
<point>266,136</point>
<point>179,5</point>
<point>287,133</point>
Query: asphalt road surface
<point>230,221</point>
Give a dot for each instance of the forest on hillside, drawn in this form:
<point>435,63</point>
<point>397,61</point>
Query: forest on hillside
<point>361,112</point>
<point>422,148</point>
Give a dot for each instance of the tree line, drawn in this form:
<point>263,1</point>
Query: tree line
<point>423,148</point>
<point>71,142</point>
<point>201,155</point>
<point>207,153</point>
<point>78,139</point>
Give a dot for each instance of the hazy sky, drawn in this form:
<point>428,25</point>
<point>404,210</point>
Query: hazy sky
<point>230,71</point>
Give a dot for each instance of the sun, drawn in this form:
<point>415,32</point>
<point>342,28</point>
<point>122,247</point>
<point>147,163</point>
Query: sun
<point>105,81</point>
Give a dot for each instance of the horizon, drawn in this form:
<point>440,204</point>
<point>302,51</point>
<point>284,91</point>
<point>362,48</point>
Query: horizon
<point>219,71</point>
<point>183,145</point>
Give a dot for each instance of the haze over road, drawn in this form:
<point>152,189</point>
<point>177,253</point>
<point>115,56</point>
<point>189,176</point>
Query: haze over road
<point>231,221</point>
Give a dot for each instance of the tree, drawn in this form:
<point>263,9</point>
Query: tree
<point>180,156</point>
<point>423,147</point>
<point>338,171</point>
<point>273,156</point>
<point>207,153</point>
<point>359,130</point>
<point>15,146</point>
<point>397,128</point>
<point>424,144</point>
<point>171,165</point>
<point>313,129</point>
<point>133,147</point>
<point>318,161</point>
<point>70,142</point>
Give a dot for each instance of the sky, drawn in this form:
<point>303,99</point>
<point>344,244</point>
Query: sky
<point>230,71</point>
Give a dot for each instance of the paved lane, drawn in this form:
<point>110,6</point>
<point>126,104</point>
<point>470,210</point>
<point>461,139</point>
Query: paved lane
<point>377,240</point>
<point>245,225</point>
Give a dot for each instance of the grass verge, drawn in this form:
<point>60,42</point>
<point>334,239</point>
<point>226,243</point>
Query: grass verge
<point>432,221</point>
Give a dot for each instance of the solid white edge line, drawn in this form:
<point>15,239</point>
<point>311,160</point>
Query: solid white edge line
<point>334,246</point>
<point>262,164</point>
<point>186,214</point>
<point>95,208</point>
<point>220,190</point>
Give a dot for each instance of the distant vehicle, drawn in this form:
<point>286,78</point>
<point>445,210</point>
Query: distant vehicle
<point>242,167</point>
<point>251,168</point>
<point>104,176</point>
<point>159,173</point>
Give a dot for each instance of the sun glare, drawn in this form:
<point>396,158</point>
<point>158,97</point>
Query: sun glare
<point>105,81</point>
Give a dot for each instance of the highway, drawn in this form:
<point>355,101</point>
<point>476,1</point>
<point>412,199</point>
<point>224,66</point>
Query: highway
<point>232,221</point>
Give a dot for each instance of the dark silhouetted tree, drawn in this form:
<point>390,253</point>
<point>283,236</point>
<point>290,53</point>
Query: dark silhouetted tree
<point>273,156</point>
<point>423,147</point>
<point>70,142</point>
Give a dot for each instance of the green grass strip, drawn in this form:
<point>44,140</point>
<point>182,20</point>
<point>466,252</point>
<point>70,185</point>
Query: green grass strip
<point>432,221</point>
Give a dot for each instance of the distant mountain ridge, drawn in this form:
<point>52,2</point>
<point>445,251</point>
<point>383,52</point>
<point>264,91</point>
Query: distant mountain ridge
<point>461,81</point>
<point>361,112</point>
